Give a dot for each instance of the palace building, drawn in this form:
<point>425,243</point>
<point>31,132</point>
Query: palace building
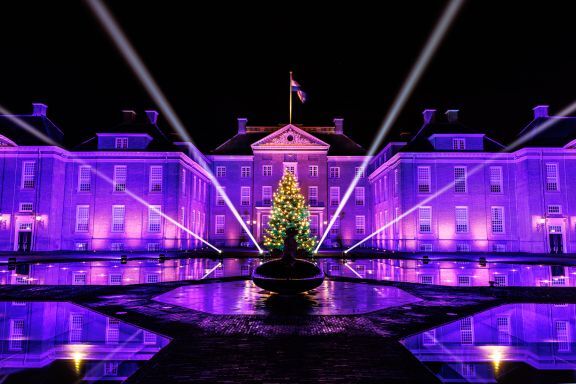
<point>452,188</point>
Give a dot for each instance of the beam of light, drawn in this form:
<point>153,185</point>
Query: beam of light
<point>210,271</point>
<point>127,51</point>
<point>30,129</point>
<point>518,142</point>
<point>410,83</point>
<point>353,270</point>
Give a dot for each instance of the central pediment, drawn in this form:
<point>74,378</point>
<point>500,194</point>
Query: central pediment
<point>290,137</point>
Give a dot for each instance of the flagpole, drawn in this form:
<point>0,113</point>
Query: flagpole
<point>290,119</point>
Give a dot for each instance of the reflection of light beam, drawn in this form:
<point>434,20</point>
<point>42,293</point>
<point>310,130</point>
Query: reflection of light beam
<point>131,56</point>
<point>521,140</point>
<point>210,271</point>
<point>353,270</point>
<point>27,127</point>
<point>409,84</point>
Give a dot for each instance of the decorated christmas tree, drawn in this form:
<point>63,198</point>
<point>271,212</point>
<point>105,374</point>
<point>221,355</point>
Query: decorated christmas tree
<point>289,210</point>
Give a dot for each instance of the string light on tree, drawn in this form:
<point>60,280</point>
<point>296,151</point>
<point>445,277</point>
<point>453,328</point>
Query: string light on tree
<point>289,210</point>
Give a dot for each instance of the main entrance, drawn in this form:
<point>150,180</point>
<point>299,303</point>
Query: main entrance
<point>24,237</point>
<point>555,239</point>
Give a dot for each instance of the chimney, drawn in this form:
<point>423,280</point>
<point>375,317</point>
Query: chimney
<point>128,116</point>
<point>540,111</point>
<point>452,115</point>
<point>429,115</point>
<point>242,121</point>
<point>339,125</point>
<point>152,116</point>
<point>39,109</point>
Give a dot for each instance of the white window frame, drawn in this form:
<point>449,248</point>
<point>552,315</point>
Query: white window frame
<point>425,219</point>
<point>84,178</point>
<point>497,219</point>
<point>154,218</point>
<point>118,218</point>
<point>552,184</point>
<point>458,144</point>
<point>462,219</point>
<point>360,196</point>
<point>313,170</point>
<point>26,207</point>
<point>120,178</point>
<point>220,171</point>
<point>245,172</point>
<point>313,195</point>
<point>220,197</point>
<point>291,167</point>
<point>82,218</point>
<point>17,333</point>
<point>334,196</point>
<point>460,181</point>
<point>245,196</point>
<point>121,143</point>
<point>554,209</point>
<point>267,170</point>
<point>496,179</point>
<point>467,331</point>
<point>359,172</point>
<point>28,175</point>
<point>156,178</point>
<point>267,195</point>
<point>360,224</point>
<point>424,179</point>
<point>219,223</point>
<point>334,172</point>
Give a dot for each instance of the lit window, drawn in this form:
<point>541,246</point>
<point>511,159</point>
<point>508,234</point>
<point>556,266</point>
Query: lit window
<point>497,219</point>
<point>424,180</point>
<point>219,224</point>
<point>82,218</point>
<point>359,172</point>
<point>81,246</point>
<point>313,196</point>
<point>266,195</point>
<point>28,175</point>
<point>466,331</point>
<point>458,144</point>
<point>334,172</point>
<point>461,219</point>
<point>245,172</point>
<point>152,278</point>
<point>425,219</point>
<point>154,218</point>
<point>121,143</point>
<point>552,177</point>
<point>120,174</point>
<point>266,170</point>
<point>221,171</point>
<point>496,179</point>
<point>75,327</point>
<point>554,209</point>
<point>244,196</point>
<point>360,224</point>
<point>155,178</point>
<point>334,196</point>
<point>464,281</point>
<point>313,171</point>
<point>26,207</point>
<point>78,278</point>
<point>84,179</point>
<point>500,280</point>
<point>359,193</point>
<point>426,279</point>
<point>118,213</point>
<point>460,179</point>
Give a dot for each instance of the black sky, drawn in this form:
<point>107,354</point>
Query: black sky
<point>219,61</point>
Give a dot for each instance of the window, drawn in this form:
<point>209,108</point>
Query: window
<point>117,246</point>
<point>458,144</point>
<point>28,175</point>
<point>153,247</point>
<point>562,336</point>
<point>464,281</point>
<point>460,179</point>
<point>120,174</point>
<point>220,171</point>
<point>554,209</point>
<point>396,182</point>
<point>313,171</point>
<point>503,324</point>
<point>426,279</point>
<point>26,207</point>
<point>156,178</point>
<point>360,224</point>
<point>78,278</point>
<point>112,330</point>
<point>314,225</point>
<point>152,278</point>
<point>290,167</point>
<point>552,177</point>
<point>121,143</point>
<point>111,368</point>
<point>219,225</point>
<point>334,172</point>
<point>462,247</point>
<point>496,179</point>
<point>497,218</point>
<point>359,192</point>
<point>244,196</point>
<point>385,188</point>
<point>500,280</point>
<point>313,196</point>
<point>359,172</point>
<point>425,219</point>
<point>429,337</point>
<point>245,172</point>
<point>498,248</point>
<point>334,196</point>
<point>468,369</point>
<point>424,180</point>
<point>149,337</point>
<point>84,178</point>
<point>220,197</point>
<point>154,218</point>
<point>466,331</point>
<point>425,247</point>
<point>118,213</point>
<point>335,227</point>
<point>461,219</point>
<point>16,334</point>
<point>81,246</point>
<point>245,219</point>
<point>183,182</point>
<point>82,216</point>
<point>266,170</point>
<point>75,327</point>
<point>266,195</point>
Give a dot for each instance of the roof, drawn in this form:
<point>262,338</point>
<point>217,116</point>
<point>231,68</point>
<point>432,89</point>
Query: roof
<point>11,130</point>
<point>421,143</point>
<point>558,132</point>
<point>240,144</point>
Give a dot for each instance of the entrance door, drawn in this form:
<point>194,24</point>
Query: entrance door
<point>24,241</point>
<point>556,244</point>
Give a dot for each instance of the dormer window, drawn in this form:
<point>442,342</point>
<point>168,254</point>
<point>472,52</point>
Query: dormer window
<point>458,144</point>
<point>121,143</point>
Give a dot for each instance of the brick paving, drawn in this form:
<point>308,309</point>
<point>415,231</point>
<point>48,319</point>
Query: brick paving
<point>285,349</point>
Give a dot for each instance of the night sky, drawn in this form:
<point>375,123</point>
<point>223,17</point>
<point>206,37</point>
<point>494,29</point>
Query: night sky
<point>216,63</point>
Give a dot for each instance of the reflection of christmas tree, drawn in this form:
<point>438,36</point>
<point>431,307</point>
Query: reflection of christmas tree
<point>289,211</point>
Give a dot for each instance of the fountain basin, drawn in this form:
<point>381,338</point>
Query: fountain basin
<point>288,276</point>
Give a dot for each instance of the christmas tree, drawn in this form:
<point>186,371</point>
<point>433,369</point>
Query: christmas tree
<point>289,210</point>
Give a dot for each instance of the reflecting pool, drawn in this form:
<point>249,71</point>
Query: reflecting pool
<point>63,343</point>
<point>244,298</point>
<point>516,343</point>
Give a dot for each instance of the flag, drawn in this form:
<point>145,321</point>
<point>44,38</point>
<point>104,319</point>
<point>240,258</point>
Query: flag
<point>298,89</point>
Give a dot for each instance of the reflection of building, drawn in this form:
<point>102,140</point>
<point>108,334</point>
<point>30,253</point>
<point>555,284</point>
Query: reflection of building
<point>51,198</point>
<point>493,343</point>
<point>36,334</point>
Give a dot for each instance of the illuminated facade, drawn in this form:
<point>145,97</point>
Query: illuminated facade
<point>54,198</point>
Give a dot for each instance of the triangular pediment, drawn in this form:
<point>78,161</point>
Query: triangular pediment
<point>290,137</point>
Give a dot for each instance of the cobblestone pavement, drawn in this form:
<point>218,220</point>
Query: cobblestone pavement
<point>285,349</point>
